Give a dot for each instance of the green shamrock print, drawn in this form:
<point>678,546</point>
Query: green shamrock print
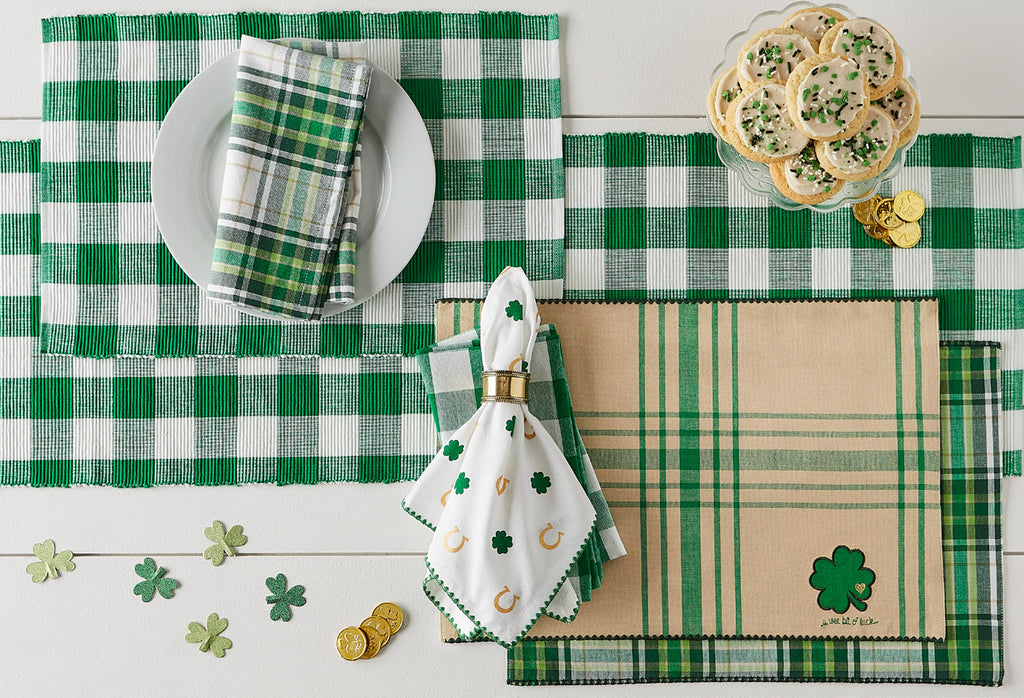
<point>524,369</point>
<point>153,580</point>
<point>209,638</point>
<point>51,563</point>
<point>540,482</point>
<point>461,483</point>
<point>843,580</point>
<point>224,542</point>
<point>510,426</point>
<point>453,449</point>
<point>501,542</point>
<point>514,310</point>
<point>284,598</point>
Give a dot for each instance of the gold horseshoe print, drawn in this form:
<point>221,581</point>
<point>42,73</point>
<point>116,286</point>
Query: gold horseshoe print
<point>461,542</point>
<point>497,599</point>
<point>512,366</point>
<point>500,484</point>
<point>549,546</point>
<point>444,497</point>
<point>531,434</point>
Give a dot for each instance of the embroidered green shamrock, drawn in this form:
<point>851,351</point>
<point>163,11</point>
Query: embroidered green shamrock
<point>540,482</point>
<point>153,580</point>
<point>461,483</point>
<point>51,563</point>
<point>842,580</point>
<point>284,598</point>
<point>510,426</point>
<point>501,542</point>
<point>224,542</point>
<point>453,449</point>
<point>514,310</point>
<point>209,638</point>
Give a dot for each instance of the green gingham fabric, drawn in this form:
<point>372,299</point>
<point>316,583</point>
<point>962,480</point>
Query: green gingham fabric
<point>972,652</point>
<point>659,217</point>
<point>209,420</point>
<point>452,375</point>
<point>295,129</point>
<point>486,84</point>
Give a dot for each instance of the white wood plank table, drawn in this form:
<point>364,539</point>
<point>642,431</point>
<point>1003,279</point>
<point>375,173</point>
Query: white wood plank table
<point>624,68</point>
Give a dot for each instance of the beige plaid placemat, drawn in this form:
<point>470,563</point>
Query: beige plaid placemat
<point>772,467</point>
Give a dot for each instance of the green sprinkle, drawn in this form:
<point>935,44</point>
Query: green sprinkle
<point>853,75</point>
<point>810,178</point>
<point>830,21</point>
<point>845,47</point>
<point>750,56</point>
<point>816,88</point>
<point>888,60</point>
<point>828,187</point>
<point>874,122</point>
<point>727,96</point>
<point>790,45</point>
<point>834,76</point>
<point>807,93</point>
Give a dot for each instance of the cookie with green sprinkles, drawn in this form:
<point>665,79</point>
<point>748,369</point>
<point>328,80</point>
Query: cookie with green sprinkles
<point>826,97</point>
<point>724,90</point>
<point>864,155</point>
<point>872,47</point>
<point>801,178</point>
<point>902,106</point>
<point>814,21</point>
<point>761,127</point>
<point>771,55</point>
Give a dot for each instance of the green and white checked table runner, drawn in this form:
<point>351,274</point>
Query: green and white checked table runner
<point>659,217</point>
<point>486,84</point>
<point>209,420</point>
<point>972,652</point>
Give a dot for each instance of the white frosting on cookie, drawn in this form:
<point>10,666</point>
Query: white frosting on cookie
<point>805,175</point>
<point>728,89</point>
<point>871,46</point>
<point>865,149</point>
<point>773,58</point>
<point>764,125</point>
<point>813,24</point>
<point>900,104</point>
<point>830,97</point>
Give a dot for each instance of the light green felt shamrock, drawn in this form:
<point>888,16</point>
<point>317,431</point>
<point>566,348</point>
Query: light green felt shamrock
<point>842,581</point>
<point>50,565</point>
<point>209,638</point>
<point>224,542</point>
<point>284,598</point>
<point>153,580</point>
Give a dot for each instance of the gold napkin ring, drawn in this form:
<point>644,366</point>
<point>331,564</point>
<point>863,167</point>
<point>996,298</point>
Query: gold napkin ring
<point>506,386</point>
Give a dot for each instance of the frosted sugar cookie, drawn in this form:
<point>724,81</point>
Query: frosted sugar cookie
<point>863,155</point>
<point>723,91</point>
<point>902,106</point>
<point>826,97</point>
<point>770,56</point>
<point>761,127</point>
<point>802,178</point>
<point>813,21</point>
<point>873,48</point>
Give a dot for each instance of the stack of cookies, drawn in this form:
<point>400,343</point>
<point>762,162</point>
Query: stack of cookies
<point>822,100</point>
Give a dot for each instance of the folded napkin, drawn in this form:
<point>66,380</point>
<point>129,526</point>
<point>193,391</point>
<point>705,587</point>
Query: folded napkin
<point>509,515</point>
<point>283,244</point>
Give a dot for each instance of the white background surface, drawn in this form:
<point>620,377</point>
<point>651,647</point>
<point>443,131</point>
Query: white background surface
<point>624,68</point>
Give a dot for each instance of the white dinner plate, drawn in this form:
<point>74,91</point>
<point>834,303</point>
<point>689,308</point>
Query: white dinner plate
<point>397,178</point>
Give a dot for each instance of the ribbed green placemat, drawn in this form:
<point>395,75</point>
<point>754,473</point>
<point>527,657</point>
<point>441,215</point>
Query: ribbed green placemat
<point>659,217</point>
<point>972,652</point>
<point>486,84</point>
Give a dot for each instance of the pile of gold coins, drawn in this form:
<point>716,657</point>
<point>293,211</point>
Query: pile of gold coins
<point>893,221</point>
<point>372,634</point>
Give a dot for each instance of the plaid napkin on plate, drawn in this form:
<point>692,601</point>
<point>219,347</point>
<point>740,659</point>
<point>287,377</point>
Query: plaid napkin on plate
<point>282,246</point>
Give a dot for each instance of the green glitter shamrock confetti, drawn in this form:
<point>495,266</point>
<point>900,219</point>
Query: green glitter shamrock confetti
<point>224,542</point>
<point>153,580</point>
<point>209,638</point>
<point>51,563</point>
<point>501,542</point>
<point>842,580</point>
<point>284,598</point>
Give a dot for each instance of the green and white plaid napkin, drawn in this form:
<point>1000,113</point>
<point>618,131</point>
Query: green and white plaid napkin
<point>972,652</point>
<point>659,217</point>
<point>486,84</point>
<point>282,246</point>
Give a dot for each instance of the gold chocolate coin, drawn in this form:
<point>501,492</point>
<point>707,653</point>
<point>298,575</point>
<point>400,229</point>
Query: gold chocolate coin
<point>876,231</point>
<point>864,211</point>
<point>907,235</point>
<point>885,216</point>
<point>373,643</point>
<point>908,205</point>
<point>352,643</point>
<point>382,627</point>
<point>392,614</point>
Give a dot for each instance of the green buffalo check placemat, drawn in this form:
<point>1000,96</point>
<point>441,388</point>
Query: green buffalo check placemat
<point>972,652</point>
<point>659,217</point>
<point>486,84</point>
<point>208,420</point>
<point>739,444</point>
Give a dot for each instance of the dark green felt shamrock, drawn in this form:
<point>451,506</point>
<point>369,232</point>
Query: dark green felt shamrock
<point>153,581</point>
<point>842,580</point>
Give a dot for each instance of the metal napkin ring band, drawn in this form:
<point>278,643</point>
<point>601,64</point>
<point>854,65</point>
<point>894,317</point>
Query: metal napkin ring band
<point>506,386</point>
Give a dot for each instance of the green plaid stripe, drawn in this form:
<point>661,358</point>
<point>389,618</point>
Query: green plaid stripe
<point>486,84</point>
<point>209,420</point>
<point>659,217</point>
<point>973,650</point>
